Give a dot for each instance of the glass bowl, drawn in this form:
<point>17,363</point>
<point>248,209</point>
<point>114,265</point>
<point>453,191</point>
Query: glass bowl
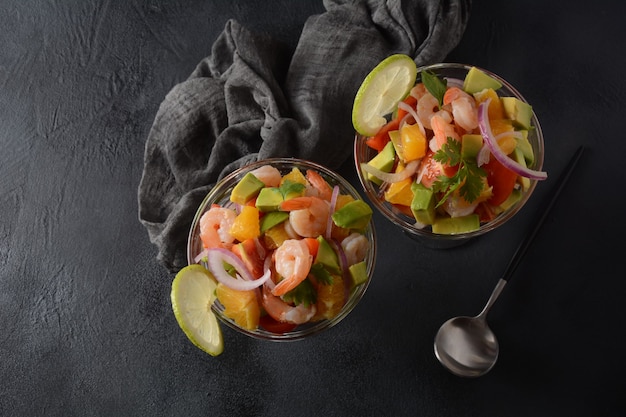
<point>220,194</point>
<point>454,73</point>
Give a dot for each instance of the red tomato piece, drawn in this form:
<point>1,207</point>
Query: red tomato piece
<point>271,325</point>
<point>501,179</point>
<point>379,141</point>
<point>411,101</point>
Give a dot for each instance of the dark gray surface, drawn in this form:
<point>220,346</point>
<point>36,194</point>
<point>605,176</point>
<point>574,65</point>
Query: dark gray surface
<point>87,327</point>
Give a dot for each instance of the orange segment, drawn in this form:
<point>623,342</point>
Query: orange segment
<point>507,143</point>
<point>330,299</point>
<point>495,111</point>
<point>400,192</point>
<point>413,142</point>
<point>247,224</point>
<point>240,306</point>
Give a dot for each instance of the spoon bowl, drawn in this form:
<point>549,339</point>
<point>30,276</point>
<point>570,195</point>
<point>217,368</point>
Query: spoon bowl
<point>466,346</point>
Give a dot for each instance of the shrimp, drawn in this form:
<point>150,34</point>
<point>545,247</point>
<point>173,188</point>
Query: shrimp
<point>463,106</point>
<point>443,130</point>
<point>418,91</point>
<point>215,227</point>
<point>292,261</point>
<point>426,106</point>
<point>283,312</point>
<point>269,175</point>
<point>321,188</point>
<point>355,247</point>
<point>308,216</point>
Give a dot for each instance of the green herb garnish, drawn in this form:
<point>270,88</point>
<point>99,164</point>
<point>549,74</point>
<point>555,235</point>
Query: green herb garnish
<point>468,178</point>
<point>321,274</point>
<point>291,187</point>
<point>304,293</point>
<point>435,85</point>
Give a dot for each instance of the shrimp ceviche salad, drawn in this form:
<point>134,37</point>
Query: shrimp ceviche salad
<point>286,249</point>
<point>452,154</point>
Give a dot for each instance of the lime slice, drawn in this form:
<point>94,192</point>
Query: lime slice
<point>193,293</point>
<point>388,83</point>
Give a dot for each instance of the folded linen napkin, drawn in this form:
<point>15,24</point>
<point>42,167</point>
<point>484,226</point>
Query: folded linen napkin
<point>238,105</point>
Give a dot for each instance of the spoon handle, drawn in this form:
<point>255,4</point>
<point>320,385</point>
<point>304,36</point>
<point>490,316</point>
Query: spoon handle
<point>523,247</point>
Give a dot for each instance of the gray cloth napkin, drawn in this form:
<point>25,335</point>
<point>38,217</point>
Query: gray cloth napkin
<point>238,105</point>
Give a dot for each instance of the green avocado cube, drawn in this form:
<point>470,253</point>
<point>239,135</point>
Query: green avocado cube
<point>358,273</point>
<point>327,256</point>
<point>396,140</point>
<point>477,80</point>
<point>518,156</point>
<point>513,198</point>
<point>383,161</point>
<point>269,199</point>
<point>354,215</point>
<point>456,225</point>
<point>423,204</point>
<point>470,146</point>
<point>246,189</point>
<point>518,111</point>
<point>272,219</point>
<point>527,149</point>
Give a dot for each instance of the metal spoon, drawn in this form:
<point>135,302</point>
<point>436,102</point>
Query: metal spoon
<point>466,346</point>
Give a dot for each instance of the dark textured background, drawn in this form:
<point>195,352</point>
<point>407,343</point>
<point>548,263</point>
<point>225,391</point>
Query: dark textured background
<point>87,327</point>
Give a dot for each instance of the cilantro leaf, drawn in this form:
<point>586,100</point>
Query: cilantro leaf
<point>436,86</point>
<point>468,178</point>
<point>291,187</point>
<point>304,293</point>
<point>320,274</point>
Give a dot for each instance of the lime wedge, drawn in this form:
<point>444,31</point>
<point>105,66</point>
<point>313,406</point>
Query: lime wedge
<point>193,293</point>
<point>381,91</point>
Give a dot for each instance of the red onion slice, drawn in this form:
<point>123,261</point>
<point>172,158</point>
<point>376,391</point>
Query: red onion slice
<point>408,171</point>
<point>410,110</point>
<point>490,141</point>
<point>244,281</point>
<point>331,210</point>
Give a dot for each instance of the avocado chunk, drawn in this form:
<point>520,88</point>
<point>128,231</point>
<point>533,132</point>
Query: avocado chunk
<point>383,161</point>
<point>358,273</point>
<point>354,215</point>
<point>456,225</point>
<point>327,256</point>
<point>396,140</point>
<point>518,111</point>
<point>272,219</point>
<point>269,199</point>
<point>527,149</point>
<point>513,198</point>
<point>477,80</point>
<point>423,204</point>
<point>518,156</point>
<point>470,146</point>
<point>246,189</point>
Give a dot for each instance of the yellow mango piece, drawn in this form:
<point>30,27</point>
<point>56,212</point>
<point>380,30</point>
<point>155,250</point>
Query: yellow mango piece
<point>247,224</point>
<point>295,175</point>
<point>400,192</point>
<point>413,142</point>
<point>496,110</point>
